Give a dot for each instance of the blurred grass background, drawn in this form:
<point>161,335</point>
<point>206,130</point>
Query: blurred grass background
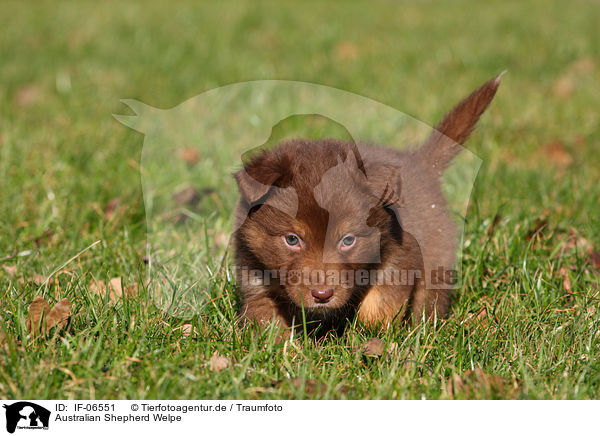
<point>63,158</point>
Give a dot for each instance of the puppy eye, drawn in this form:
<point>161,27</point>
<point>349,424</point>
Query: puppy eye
<point>292,240</point>
<point>348,241</point>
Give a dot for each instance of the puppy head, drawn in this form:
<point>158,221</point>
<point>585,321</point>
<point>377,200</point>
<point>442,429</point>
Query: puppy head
<point>313,217</point>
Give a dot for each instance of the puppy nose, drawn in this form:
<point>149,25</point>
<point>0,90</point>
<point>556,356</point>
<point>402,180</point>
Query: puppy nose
<point>322,295</point>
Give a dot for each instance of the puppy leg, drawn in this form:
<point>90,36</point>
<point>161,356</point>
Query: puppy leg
<point>260,311</point>
<point>427,303</point>
<point>382,305</point>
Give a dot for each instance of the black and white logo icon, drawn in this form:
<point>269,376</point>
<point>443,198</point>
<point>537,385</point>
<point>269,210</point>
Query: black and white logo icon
<point>26,415</point>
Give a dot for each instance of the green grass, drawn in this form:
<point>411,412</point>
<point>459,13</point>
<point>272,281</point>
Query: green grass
<point>65,66</point>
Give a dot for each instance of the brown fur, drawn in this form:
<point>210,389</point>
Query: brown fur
<point>321,190</point>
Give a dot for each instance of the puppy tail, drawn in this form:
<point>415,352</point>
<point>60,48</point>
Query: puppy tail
<point>445,141</point>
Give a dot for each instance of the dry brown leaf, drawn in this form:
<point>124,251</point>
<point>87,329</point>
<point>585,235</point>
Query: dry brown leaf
<point>38,279</point>
<point>59,314</point>
<point>394,349</point>
<point>575,241</point>
<point>373,347</point>
<point>38,312</point>
<point>11,270</point>
<point>481,316</point>
<point>180,218</point>
<point>187,197</point>
<point>564,273</point>
<point>563,87</point>
<point>116,286</point>
<point>189,155</point>
<point>218,363</point>
<point>187,330</point>
<point>556,153</point>
<point>114,289</point>
<point>583,65</point>
<point>538,229</point>
<point>110,208</point>
<point>42,318</point>
<point>346,51</point>
<point>509,156</point>
<point>27,95</point>
<point>99,287</point>
<point>38,239</point>
<point>494,224</point>
<point>311,387</point>
<point>595,259</point>
<point>221,239</point>
<point>130,290</point>
<point>477,384</point>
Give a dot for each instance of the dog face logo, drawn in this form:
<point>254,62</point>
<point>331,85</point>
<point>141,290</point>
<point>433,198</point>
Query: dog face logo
<point>26,415</point>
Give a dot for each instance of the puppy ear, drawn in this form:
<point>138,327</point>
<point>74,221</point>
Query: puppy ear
<point>385,184</point>
<point>444,142</point>
<point>258,176</point>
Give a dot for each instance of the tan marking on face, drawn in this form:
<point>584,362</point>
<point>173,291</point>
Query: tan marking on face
<point>377,307</point>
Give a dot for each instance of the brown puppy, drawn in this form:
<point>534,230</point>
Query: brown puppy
<point>337,229</point>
